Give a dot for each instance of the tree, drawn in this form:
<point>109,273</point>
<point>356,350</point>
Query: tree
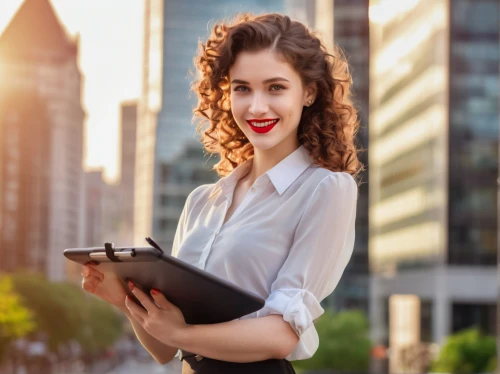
<point>48,307</point>
<point>344,343</point>
<point>467,351</point>
<point>64,313</point>
<point>99,326</point>
<point>16,320</point>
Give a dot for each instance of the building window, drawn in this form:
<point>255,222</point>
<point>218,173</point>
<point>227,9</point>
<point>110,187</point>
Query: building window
<point>167,224</point>
<point>468,315</point>
<point>164,171</point>
<point>426,321</point>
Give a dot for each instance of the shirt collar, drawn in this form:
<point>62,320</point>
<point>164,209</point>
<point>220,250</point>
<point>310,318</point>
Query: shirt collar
<point>288,170</point>
<point>281,175</point>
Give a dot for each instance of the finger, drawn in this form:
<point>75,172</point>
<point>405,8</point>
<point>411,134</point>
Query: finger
<point>89,270</point>
<point>129,304</point>
<point>160,299</point>
<point>93,270</point>
<point>90,283</point>
<point>143,298</point>
<point>135,310</point>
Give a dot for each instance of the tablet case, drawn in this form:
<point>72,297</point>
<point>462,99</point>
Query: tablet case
<point>202,297</point>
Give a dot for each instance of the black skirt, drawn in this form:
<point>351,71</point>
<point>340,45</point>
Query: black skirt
<point>211,366</point>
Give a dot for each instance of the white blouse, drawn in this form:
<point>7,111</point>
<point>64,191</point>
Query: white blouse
<point>289,241</point>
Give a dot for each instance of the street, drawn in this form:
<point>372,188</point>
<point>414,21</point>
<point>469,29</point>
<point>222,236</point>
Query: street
<point>133,366</point>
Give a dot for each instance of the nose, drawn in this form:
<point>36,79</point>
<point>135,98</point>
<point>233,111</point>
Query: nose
<point>258,106</point>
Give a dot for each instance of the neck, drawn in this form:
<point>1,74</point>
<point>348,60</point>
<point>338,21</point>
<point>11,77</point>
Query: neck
<point>265,160</point>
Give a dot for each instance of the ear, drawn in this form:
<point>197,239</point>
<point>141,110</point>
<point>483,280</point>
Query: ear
<point>310,94</point>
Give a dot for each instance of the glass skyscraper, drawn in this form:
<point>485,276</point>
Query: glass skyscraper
<point>351,34</point>
<point>473,132</point>
<point>173,30</point>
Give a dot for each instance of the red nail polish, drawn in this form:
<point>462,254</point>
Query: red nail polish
<point>130,285</point>
<point>154,291</point>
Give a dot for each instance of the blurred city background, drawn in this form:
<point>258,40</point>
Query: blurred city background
<point>96,145</point>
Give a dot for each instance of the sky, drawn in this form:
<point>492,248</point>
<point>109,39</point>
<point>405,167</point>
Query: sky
<point>111,33</point>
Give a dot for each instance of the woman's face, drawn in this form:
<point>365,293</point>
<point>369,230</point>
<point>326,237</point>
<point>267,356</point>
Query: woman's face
<point>267,98</point>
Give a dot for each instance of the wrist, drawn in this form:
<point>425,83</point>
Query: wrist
<point>180,337</point>
<point>123,308</point>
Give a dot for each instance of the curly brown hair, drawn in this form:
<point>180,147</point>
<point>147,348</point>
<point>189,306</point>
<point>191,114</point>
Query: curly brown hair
<point>327,129</point>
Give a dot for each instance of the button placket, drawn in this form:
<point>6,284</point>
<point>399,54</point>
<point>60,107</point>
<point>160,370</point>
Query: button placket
<point>206,253</point>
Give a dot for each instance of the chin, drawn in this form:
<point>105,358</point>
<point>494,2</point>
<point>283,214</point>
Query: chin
<point>264,146</point>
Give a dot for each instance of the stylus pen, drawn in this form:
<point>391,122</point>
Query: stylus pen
<point>154,245</point>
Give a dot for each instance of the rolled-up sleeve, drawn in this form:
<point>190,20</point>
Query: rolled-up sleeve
<point>322,246</point>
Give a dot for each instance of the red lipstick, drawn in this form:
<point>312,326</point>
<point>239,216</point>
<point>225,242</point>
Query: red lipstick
<point>262,126</point>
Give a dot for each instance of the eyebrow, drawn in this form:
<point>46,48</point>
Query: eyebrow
<point>270,80</point>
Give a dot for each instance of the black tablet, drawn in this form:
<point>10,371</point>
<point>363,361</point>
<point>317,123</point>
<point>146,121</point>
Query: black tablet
<point>202,297</point>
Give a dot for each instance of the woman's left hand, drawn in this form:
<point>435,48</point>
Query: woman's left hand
<point>161,319</point>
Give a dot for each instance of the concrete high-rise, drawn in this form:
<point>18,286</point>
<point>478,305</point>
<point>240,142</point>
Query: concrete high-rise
<point>127,175</point>
<point>118,203</point>
<point>433,166</point>
<point>41,120</point>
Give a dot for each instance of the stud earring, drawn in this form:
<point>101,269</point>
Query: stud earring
<point>310,102</point>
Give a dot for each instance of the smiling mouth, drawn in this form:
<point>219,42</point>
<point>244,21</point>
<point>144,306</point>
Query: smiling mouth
<point>263,123</point>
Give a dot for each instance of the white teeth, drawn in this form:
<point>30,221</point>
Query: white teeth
<point>264,124</point>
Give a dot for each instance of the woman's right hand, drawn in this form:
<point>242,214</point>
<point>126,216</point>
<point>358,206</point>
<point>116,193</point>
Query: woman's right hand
<point>107,287</point>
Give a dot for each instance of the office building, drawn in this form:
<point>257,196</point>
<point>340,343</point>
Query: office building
<point>118,201</point>
<point>172,32</point>
<point>433,167</point>
<point>42,123</point>
<point>351,34</point>
<point>127,175</point>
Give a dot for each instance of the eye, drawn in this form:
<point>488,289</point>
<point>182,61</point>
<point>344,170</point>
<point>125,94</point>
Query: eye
<point>241,88</point>
<point>276,87</point>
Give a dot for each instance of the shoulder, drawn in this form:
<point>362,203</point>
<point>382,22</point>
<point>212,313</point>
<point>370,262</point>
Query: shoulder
<point>325,181</point>
<point>329,195</point>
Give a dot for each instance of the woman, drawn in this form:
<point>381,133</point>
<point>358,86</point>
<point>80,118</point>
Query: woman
<point>280,221</point>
